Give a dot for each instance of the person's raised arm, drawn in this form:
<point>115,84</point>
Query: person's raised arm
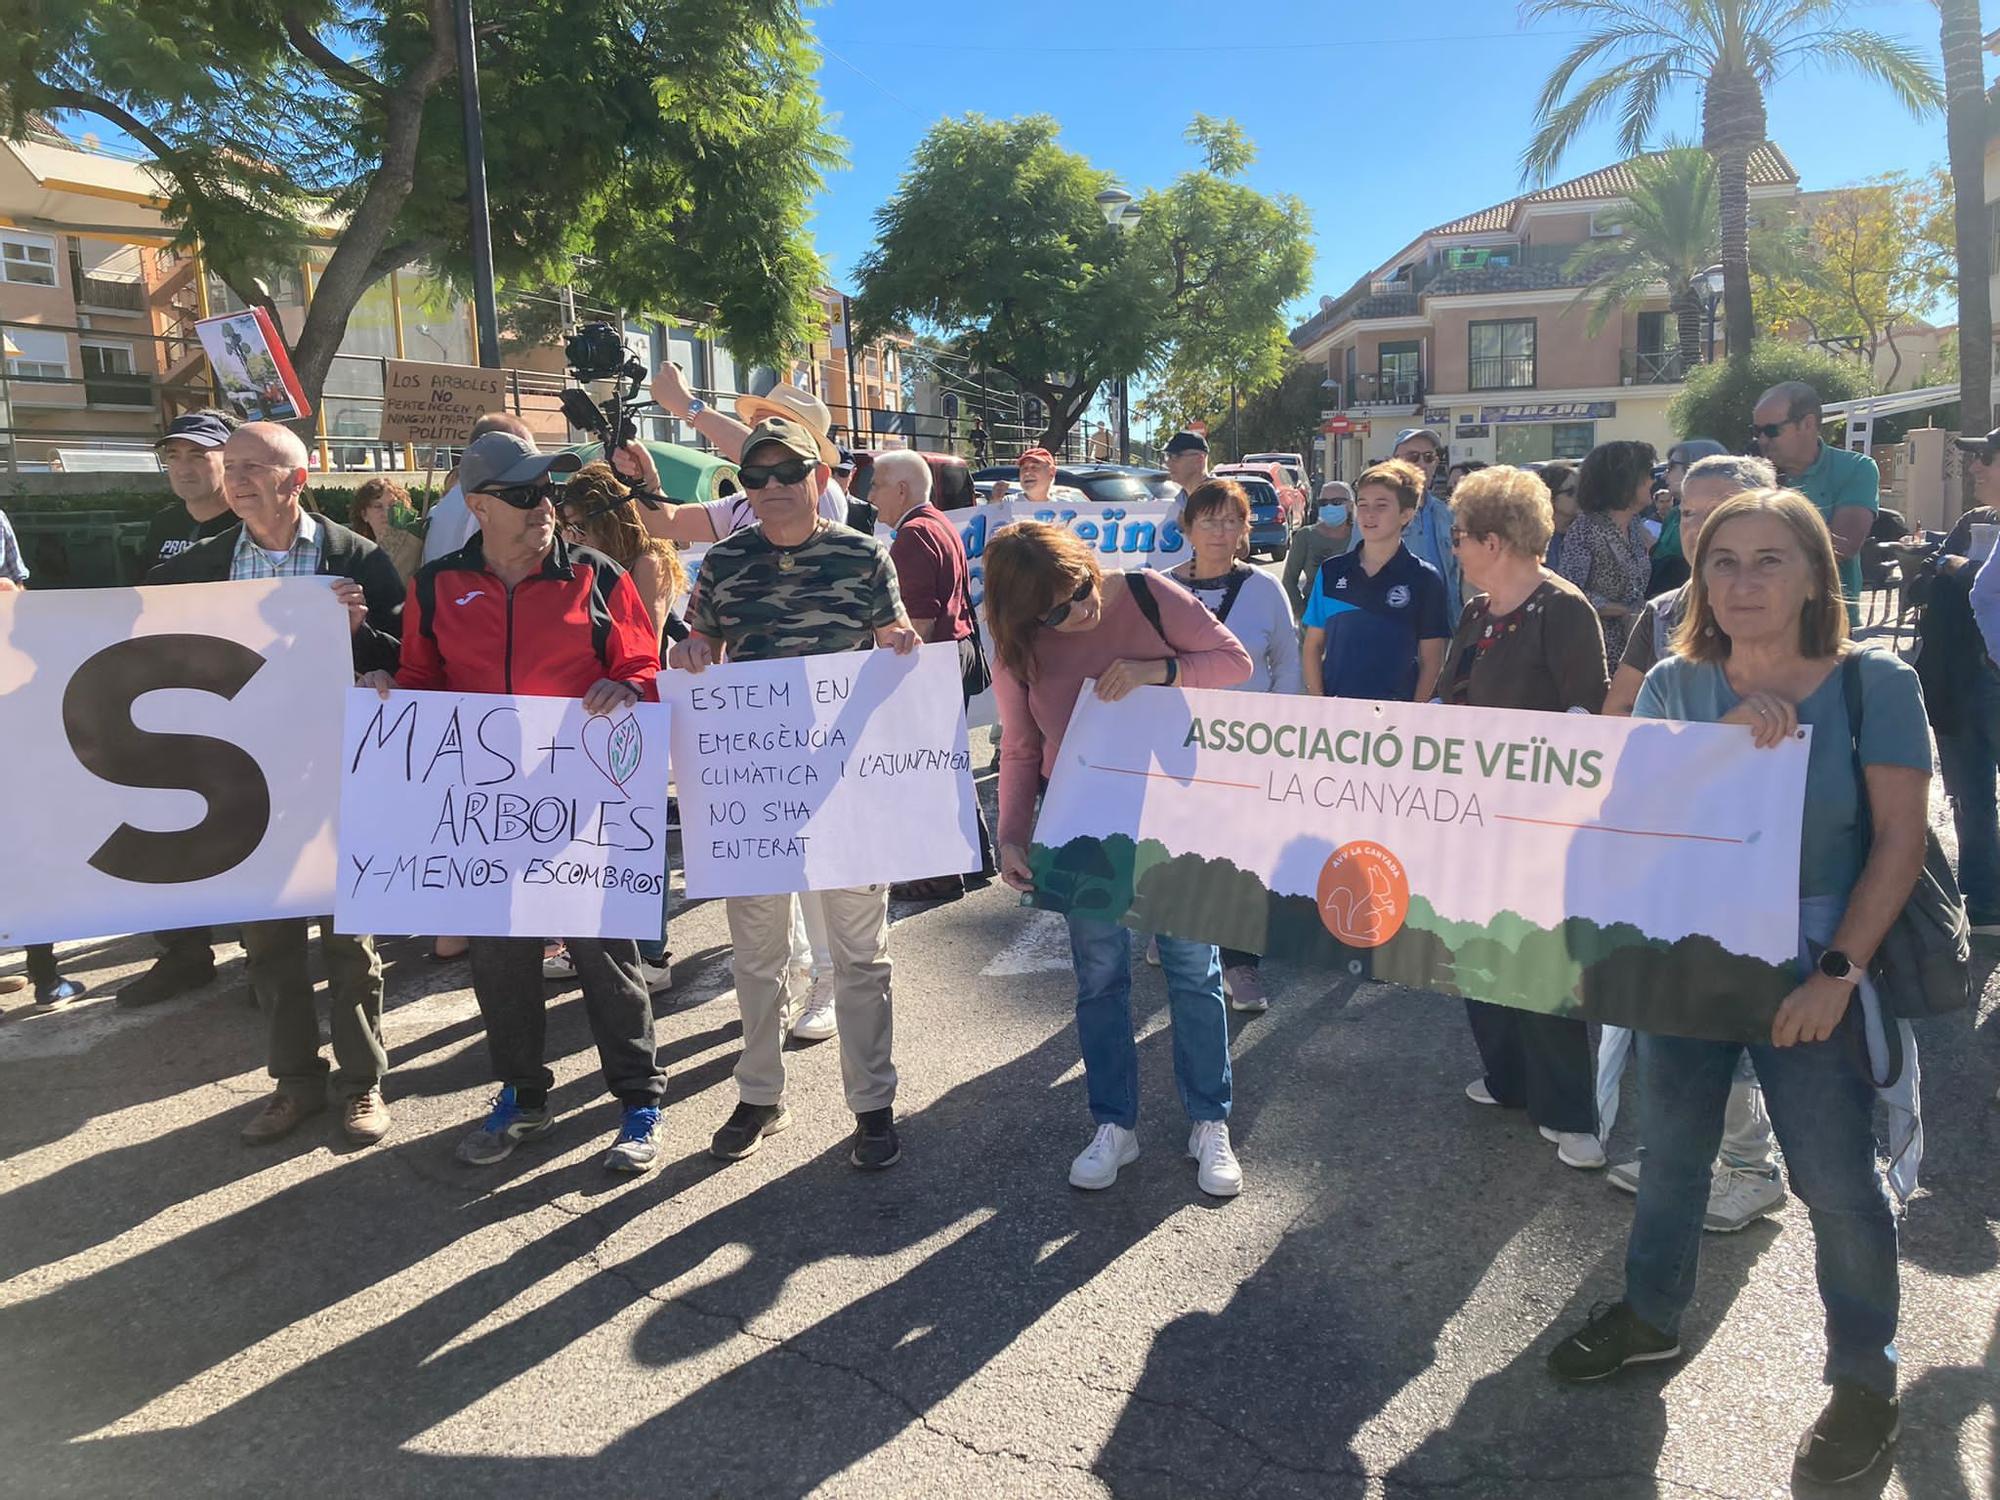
<point>670,391</point>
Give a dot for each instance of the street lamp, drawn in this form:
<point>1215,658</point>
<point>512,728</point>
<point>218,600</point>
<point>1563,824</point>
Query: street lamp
<point>1122,214</point>
<point>1708,286</point>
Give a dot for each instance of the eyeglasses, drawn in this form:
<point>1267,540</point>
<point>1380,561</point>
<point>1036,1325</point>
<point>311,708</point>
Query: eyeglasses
<point>1768,430</point>
<point>1428,456</point>
<point>791,471</point>
<point>523,496</point>
<point>1219,520</point>
<point>1063,611</point>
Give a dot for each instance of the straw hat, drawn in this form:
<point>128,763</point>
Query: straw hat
<point>795,405</point>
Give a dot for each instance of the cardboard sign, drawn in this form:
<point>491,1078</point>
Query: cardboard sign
<point>1631,870</point>
<point>501,816</point>
<point>434,406</point>
<point>821,772</point>
<point>170,755</point>
<point>252,367</point>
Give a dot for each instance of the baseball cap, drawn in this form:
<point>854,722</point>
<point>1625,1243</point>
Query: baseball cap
<point>794,437</point>
<point>1688,450</point>
<point>1988,444</point>
<point>1409,432</point>
<point>1186,442</point>
<point>844,464</point>
<point>502,460</point>
<point>203,429</point>
<point>1040,454</point>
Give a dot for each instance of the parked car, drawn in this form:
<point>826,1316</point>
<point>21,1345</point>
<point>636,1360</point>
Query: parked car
<point>1291,495</point>
<point>951,481</point>
<point>1295,462</point>
<point>1270,521</point>
<point>1101,484</point>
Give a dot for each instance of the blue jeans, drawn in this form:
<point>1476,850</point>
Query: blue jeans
<point>1102,955</point>
<point>1968,762</point>
<point>1822,1107</point>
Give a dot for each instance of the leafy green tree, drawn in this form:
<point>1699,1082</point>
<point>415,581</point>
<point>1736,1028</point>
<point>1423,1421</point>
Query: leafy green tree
<point>995,244</point>
<point>1282,417</point>
<point>1732,50</point>
<point>677,143</point>
<point>1718,399</point>
<point>1668,234</point>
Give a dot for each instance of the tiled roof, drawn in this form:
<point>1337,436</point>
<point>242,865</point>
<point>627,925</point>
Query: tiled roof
<point>1769,167</point>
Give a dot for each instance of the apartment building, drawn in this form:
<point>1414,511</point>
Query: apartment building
<point>1476,331</point>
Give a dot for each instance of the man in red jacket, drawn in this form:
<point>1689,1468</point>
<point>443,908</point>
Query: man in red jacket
<point>518,610</point>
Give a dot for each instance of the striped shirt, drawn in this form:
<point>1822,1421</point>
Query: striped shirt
<point>300,561</point>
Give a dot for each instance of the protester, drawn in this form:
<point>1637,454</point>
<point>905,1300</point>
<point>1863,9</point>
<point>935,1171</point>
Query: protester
<point>1328,536</point>
<point>1764,645</point>
<point>1608,554</point>
<point>710,521</point>
<point>1561,481</point>
<point>797,584</point>
<point>1037,470</point>
<point>1427,533</point>
<point>1187,460</point>
<point>1378,618</point>
<point>1056,620</point>
<point>451,523</point>
<point>1457,472</point>
<point>1846,487</point>
<point>1529,640</point>
<point>517,609</point>
<point>1716,477</point>
<point>596,510</point>
<point>935,581</point>
<point>13,566</point>
<point>1216,518</point>
<point>1962,690</point>
<point>374,511</point>
<point>1670,567</point>
<point>264,476</point>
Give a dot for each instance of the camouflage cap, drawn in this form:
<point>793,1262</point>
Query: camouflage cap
<point>792,436</point>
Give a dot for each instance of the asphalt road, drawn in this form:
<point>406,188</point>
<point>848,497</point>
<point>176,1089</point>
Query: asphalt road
<point>180,1314</point>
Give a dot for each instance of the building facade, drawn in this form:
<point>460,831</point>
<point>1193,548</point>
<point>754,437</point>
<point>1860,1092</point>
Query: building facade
<point>1477,331</point>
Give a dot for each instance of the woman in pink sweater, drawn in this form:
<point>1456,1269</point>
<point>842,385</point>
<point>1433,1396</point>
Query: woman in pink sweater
<point>1057,620</point>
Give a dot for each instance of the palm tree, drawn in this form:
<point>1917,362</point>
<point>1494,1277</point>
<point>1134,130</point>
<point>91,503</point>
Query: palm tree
<point>1733,50</point>
<point>1966,115</point>
<point>1668,235</point>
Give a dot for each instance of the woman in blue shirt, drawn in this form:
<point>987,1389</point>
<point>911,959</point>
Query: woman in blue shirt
<point>1764,644</point>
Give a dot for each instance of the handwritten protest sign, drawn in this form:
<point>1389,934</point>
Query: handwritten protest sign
<point>1626,869</point>
<point>436,405</point>
<point>501,816</point>
<point>170,754</point>
<point>820,772</point>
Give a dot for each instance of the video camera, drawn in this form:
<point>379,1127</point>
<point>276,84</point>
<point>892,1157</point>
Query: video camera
<point>596,352</point>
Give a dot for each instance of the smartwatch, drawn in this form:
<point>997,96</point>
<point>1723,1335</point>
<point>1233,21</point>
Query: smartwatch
<point>696,406</point>
<point>1837,965</point>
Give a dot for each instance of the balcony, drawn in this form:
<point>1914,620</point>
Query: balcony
<point>1651,367</point>
<point>1377,393</point>
<point>1501,372</point>
<point>112,296</point>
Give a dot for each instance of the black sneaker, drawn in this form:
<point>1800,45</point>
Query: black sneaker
<point>60,993</point>
<point>169,977</point>
<point>745,1130</point>
<point>1614,1337</point>
<point>1850,1437</point>
<point>875,1143</point>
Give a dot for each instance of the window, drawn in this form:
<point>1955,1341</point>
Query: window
<point>1571,440</point>
<point>111,379</point>
<point>1398,370</point>
<point>1502,355</point>
<point>27,259</point>
<point>44,357</point>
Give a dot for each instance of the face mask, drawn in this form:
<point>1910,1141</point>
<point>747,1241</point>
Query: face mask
<point>1332,515</point>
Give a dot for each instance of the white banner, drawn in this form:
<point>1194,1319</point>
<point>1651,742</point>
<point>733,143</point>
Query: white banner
<point>820,772</point>
<point>170,755</point>
<point>490,815</point>
<point>1629,869</point>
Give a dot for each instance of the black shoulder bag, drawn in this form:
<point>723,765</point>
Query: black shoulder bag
<point>1922,967</point>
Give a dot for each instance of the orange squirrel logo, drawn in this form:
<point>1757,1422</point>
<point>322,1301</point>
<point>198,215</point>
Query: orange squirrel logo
<point>1364,895</point>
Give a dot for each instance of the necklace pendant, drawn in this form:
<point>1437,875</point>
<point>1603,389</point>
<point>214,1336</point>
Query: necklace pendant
<point>786,562</point>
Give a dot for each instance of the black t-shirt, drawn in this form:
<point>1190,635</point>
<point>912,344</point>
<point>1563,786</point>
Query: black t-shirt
<point>174,531</point>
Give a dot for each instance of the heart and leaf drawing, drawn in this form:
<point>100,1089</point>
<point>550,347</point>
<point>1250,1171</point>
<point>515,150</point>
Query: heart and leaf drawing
<point>614,748</point>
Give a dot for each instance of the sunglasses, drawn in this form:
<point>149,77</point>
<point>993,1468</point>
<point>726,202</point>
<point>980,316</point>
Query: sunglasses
<point>523,496</point>
<point>1770,429</point>
<point>1063,611</point>
<point>791,471</point>
<point>1428,456</point>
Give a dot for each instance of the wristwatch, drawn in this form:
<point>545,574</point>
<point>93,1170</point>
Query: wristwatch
<point>696,406</point>
<point>1837,965</point>
<point>1173,671</point>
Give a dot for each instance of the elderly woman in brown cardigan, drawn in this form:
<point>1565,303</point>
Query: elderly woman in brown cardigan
<point>1529,639</point>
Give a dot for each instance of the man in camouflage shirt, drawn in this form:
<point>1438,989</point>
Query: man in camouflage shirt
<point>796,584</point>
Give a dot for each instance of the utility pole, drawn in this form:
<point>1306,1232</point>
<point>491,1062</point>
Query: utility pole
<point>487,313</point>
<point>853,395</point>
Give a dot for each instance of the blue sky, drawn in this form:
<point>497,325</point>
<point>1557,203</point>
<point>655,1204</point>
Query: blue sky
<point>1385,121</point>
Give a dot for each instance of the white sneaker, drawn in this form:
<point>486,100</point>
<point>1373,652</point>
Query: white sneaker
<point>1625,1176</point>
<point>794,997</point>
<point>1575,1148</point>
<point>1245,989</point>
<point>1738,1197</point>
<point>1219,1174</point>
<point>658,978</point>
<point>1478,1093</point>
<point>1097,1166</point>
<point>816,1022</point>
<point>558,965</point>
<point>1153,951</point>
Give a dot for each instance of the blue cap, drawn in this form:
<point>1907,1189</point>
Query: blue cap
<point>205,429</point>
<point>1409,432</point>
<point>1187,442</point>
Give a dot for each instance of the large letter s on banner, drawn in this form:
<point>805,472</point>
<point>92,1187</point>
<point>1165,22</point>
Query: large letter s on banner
<point>97,717</point>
